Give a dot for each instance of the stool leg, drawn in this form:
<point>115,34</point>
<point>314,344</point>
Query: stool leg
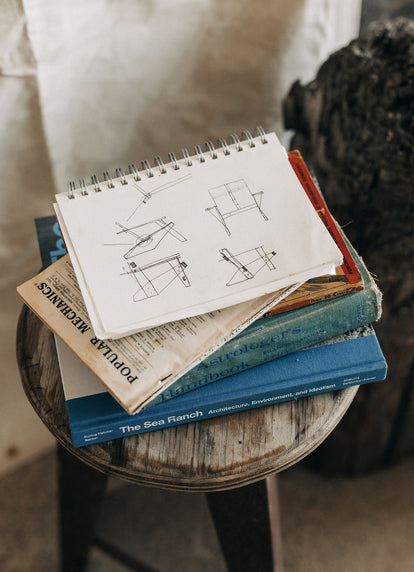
<point>81,491</point>
<point>248,526</point>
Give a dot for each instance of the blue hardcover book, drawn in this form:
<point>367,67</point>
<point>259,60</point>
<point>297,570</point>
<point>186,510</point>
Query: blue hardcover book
<point>50,240</point>
<point>353,358</point>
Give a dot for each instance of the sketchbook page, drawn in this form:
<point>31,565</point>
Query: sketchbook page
<point>193,240</point>
<point>136,368</point>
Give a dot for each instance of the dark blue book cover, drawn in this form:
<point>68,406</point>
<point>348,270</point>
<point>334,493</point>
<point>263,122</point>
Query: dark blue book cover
<point>50,240</point>
<point>353,358</point>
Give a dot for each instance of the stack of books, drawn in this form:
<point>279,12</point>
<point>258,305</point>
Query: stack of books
<point>170,308</point>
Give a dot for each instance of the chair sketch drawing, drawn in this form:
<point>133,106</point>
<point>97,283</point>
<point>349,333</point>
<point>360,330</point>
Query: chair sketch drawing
<point>145,237</point>
<point>234,198</point>
<point>155,277</point>
<point>248,263</point>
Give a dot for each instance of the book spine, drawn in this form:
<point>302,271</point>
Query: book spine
<point>147,421</point>
<point>347,278</point>
<point>349,265</point>
<point>275,336</point>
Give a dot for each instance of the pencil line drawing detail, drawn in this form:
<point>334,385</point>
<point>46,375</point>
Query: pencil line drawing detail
<point>155,277</point>
<point>248,263</point>
<point>146,236</point>
<point>148,194</point>
<point>232,199</point>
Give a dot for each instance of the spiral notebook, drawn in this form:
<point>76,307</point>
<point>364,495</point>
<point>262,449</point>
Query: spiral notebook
<point>198,234</point>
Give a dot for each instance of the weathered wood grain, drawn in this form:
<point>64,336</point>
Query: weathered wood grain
<point>209,455</point>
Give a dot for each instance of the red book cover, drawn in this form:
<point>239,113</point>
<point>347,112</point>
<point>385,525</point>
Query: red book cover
<point>347,278</point>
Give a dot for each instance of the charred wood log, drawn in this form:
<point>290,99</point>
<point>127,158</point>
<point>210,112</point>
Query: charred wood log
<point>354,124</point>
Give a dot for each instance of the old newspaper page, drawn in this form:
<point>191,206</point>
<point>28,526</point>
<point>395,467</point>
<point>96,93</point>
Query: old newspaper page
<point>134,369</point>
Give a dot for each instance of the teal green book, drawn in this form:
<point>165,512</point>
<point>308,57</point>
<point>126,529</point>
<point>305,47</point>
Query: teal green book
<point>274,336</point>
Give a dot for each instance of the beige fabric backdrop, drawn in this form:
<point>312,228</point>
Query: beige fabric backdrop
<point>86,86</point>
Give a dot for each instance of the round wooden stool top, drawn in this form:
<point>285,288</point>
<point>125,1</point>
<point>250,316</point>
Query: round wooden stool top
<point>209,455</point>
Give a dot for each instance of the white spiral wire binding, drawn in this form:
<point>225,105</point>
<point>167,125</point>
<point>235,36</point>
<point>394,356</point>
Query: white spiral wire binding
<point>210,147</point>
<point>148,168</point>
<point>223,143</point>
<point>96,184</point>
<point>84,190</point>
<point>260,132</point>
<point>121,176</point>
<point>109,180</point>
<point>200,154</point>
<point>173,161</point>
<point>71,192</point>
<point>187,157</point>
<point>134,172</point>
<point>233,139</point>
<point>160,164</point>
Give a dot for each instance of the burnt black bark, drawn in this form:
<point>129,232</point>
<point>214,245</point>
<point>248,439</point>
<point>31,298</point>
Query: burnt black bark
<point>354,125</point>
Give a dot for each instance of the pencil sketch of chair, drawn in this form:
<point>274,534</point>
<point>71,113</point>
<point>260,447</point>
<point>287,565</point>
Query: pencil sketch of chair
<point>148,193</point>
<point>248,263</point>
<point>232,199</point>
<point>146,237</point>
<point>156,276</point>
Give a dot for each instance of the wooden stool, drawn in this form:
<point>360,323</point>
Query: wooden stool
<point>233,458</point>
